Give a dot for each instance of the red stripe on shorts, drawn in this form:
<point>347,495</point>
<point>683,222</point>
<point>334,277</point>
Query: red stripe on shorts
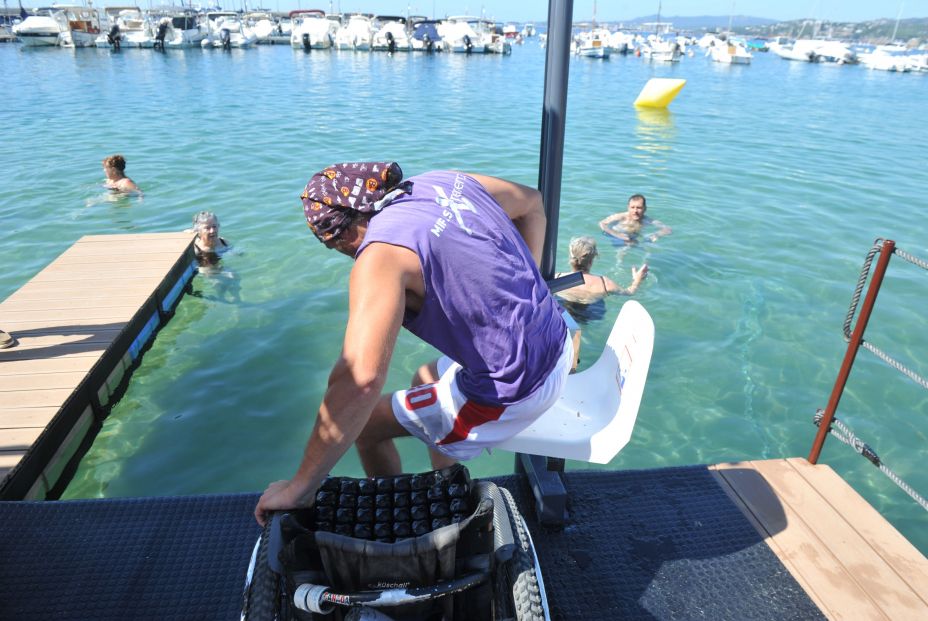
<point>470,416</point>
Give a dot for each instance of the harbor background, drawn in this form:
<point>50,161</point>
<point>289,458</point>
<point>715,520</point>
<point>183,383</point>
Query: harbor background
<point>775,177</point>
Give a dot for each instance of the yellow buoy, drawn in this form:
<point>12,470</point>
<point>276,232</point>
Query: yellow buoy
<point>659,92</point>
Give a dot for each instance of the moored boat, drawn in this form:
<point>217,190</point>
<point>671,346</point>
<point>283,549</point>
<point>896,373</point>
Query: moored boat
<point>42,29</point>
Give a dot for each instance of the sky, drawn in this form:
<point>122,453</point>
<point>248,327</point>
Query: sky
<point>606,10</point>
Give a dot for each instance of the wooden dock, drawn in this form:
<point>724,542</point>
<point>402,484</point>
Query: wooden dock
<point>850,561</point>
<point>81,324</point>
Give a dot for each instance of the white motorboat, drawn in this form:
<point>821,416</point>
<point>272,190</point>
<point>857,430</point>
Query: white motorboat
<point>283,28</point>
<point>125,26</point>
<point>425,36</point>
<point>42,29</point>
<point>882,60</point>
<point>593,44</point>
<point>310,30</point>
<point>729,52</point>
<point>356,34</point>
<point>460,35</point>
<point>659,50</point>
<point>182,29</point>
<point>835,52</point>
<point>494,41</point>
<point>83,26</point>
<point>528,30</point>
<point>262,24</point>
<point>390,34</point>
<point>227,31</point>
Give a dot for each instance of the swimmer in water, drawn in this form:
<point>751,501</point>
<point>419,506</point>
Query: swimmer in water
<point>630,225</point>
<point>114,167</point>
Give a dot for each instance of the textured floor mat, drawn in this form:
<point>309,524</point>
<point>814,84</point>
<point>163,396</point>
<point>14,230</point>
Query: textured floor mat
<point>659,544</point>
<point>652,544</point>
<point>178,558</point>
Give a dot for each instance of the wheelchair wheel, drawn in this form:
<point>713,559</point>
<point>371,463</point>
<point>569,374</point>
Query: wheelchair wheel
<point>518,592</point>
<point>263,595</point>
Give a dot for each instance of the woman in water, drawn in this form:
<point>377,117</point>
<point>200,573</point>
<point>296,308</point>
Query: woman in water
<point>585,302</point>
<point>208,245</point>
<point>114,167</point>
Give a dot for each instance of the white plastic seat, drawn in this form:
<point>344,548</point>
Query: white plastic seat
<point>594,417</point>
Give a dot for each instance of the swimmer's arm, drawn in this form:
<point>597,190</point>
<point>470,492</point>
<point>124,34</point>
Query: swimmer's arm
<point>524,206</point>
<point>662,229</point>
<point>638,274</point>
<point>377,295</point>
<point>606,225</point>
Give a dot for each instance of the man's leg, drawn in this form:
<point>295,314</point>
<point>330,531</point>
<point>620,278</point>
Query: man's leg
<point>375,444</point>
<point>428,374</point>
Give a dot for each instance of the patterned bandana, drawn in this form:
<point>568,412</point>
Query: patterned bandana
<point>334,194</point>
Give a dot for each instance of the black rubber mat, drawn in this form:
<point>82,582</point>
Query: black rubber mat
<point>655,544</point>
<point>168,559</point>
<point>659,544</point>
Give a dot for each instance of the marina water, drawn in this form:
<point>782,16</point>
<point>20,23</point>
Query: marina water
<point>775,177</point>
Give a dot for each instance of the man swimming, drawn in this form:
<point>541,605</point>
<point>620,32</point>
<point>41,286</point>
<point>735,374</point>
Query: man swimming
<point>630,225</point>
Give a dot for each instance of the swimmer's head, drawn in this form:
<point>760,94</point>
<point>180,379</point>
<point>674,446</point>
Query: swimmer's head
<point>206,226</point>
<point>116,162</point>
<point>581,253</point>
<point>637,205</point>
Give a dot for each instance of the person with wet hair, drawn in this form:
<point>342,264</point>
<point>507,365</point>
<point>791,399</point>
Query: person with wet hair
<point>208,241</point>
<point>114,167</point>
<point>581,253</point>
<point>630,225</point>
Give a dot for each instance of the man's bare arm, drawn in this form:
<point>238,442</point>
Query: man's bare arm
<point>606,225</point>
<point>376,305</point>
<point>524,206</point>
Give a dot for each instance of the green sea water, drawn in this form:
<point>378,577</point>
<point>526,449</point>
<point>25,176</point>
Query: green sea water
<point>775,177</point>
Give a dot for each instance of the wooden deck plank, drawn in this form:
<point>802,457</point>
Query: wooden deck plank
<point>89,286</point>
<point>39,381</point>
<point>71,315</point>
<point>11,418</point>
<point>50,365</point>
<point>36,398</point>
<point>140,257</point>
<point>130,300</point>
<point>68,350</point>
<point>895,550</point>
<point>76,292</point>
<point>893,595</point>
<point>183,236</point>
<point>8,460</point>
<point>128,247</point>
<point>16,440</point>
<point>74,273</point>
<point>51,337</point>
<point>800,550</point>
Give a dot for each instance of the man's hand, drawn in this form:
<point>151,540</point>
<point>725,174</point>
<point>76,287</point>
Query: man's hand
<point>281,496</point>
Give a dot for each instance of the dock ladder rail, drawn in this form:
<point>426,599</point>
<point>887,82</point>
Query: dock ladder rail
<point>825,419</point>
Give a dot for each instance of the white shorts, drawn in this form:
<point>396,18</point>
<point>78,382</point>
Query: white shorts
<point>443,418</point>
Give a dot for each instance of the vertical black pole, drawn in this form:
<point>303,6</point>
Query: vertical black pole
<point>544,475</point>
<point>553,115</point>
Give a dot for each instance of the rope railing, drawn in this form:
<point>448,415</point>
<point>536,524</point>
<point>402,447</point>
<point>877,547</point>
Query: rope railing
<point>855,300</point>
<point>844,433</point>
<point>832,426</point>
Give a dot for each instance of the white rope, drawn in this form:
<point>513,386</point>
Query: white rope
<point>847,436</point>
<point>855,300</point>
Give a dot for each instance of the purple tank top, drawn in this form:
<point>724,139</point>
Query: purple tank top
<point>486,305</point>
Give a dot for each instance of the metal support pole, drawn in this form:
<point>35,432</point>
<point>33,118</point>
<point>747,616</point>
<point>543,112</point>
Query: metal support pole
<point>554,113</point>
<point>544,475</point>
<point>853,345</point>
